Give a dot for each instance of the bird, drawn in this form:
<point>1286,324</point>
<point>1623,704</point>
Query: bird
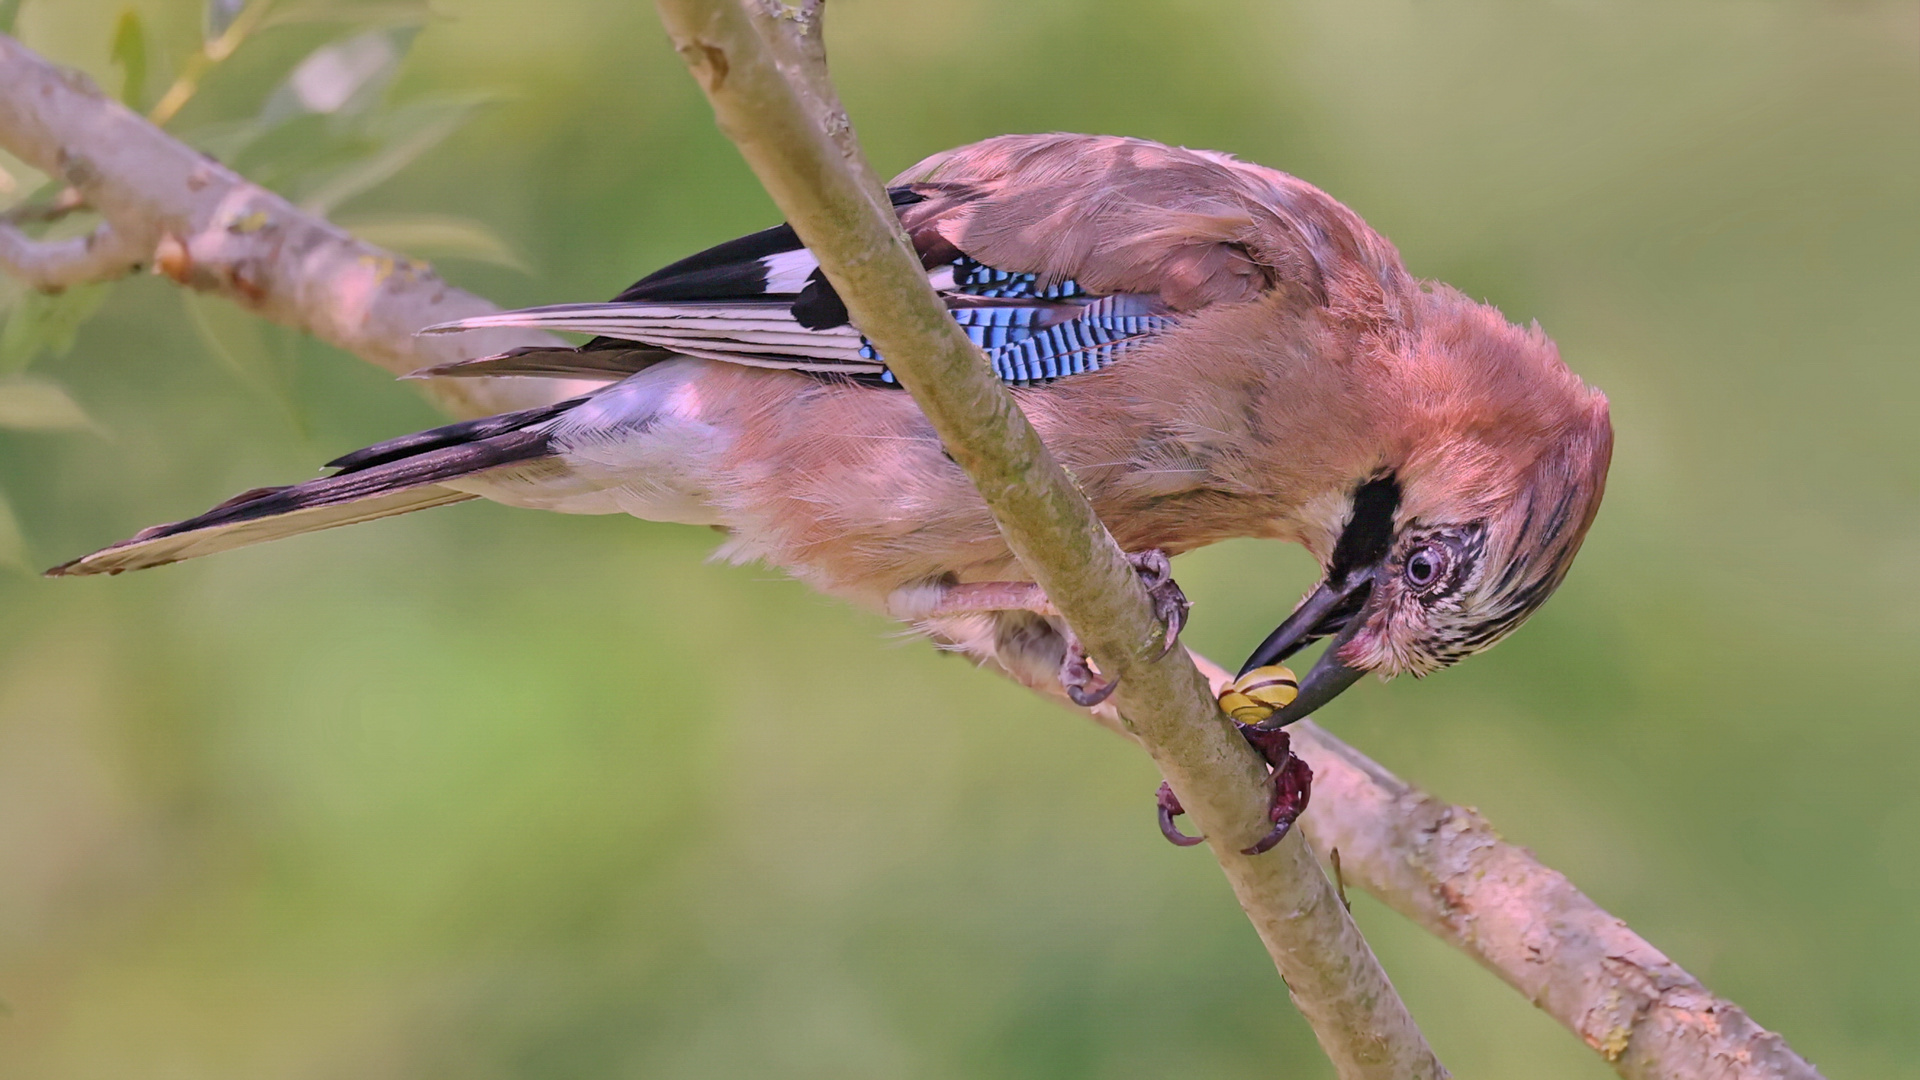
<point>1213,348</point>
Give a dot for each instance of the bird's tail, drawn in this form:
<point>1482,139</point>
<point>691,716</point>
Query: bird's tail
<point>393,477</point>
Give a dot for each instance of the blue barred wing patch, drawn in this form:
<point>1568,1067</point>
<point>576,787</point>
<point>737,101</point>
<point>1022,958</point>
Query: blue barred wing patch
<point>978,279</point>
<point>1036,344</point>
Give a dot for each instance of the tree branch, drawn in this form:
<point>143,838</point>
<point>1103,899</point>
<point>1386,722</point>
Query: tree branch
<point>205,226</point>
<point>1440,865</point>
<point>759,64</point>
<point>1445,867</point>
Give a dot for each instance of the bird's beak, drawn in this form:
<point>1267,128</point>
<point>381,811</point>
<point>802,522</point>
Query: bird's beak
<point>1332,609</point>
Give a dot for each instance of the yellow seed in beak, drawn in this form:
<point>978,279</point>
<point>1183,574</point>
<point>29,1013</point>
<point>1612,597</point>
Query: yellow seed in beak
<point>1260,693</point>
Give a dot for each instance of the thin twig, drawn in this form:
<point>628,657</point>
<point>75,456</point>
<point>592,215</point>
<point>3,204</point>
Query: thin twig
<point>210,53</point>
<point>51,265</point>
<point>771,96</point>
<point>55,209</point>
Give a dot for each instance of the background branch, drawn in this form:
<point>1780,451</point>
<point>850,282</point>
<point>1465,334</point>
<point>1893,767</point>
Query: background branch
<point>1444,867</point>
<point>207,227</point>
<point>1440,865</point>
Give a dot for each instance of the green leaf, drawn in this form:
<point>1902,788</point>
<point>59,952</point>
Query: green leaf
<point>30,404</point>
<point>234,336</point>
<point>220,15</point>
<point>130,53</point>
<point>47,322</point>
<point>337,82</point>
<point>225,140</point>
<point>402,135</point>
<point>13,543</point>
<point>9,11</point>
<point>436,236</point>
<point>256,351</point>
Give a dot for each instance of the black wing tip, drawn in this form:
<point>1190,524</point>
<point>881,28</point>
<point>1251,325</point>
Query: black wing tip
<point>733,270</point>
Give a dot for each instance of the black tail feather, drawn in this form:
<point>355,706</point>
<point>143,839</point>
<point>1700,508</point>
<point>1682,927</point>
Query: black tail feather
<point>366,481</point>
<point>393,477</point>
<point>464,432</point>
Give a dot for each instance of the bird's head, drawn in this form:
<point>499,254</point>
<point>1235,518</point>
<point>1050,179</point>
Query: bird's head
<point>1495,463</point>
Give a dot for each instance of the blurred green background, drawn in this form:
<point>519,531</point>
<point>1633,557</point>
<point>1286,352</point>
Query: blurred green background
<point>486,793</point>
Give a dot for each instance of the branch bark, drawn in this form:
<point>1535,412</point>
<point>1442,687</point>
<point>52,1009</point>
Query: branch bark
<point>1440,865</point>
<point>760,65</point>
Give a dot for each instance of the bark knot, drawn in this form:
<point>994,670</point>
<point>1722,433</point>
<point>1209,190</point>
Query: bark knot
<point>708,62</point>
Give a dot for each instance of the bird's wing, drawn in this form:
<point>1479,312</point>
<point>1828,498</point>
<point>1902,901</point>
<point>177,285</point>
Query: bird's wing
<point>1054,254</point>
<point>762,301</point>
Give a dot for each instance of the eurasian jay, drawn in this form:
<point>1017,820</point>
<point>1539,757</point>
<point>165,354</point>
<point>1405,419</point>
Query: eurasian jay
<point>1214,349</point>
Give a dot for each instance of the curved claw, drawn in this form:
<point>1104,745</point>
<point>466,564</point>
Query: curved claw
<point>1169,808</point>
<point>1086,698</point>
<point>1175,618</point>
<point>1170,605</point>
<point>1077,677</point>
<point>1267,842</point>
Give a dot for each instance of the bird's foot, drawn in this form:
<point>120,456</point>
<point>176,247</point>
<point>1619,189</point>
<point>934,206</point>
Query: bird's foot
<point>1080,679</point>
<point>1289,776</point>
<point>1083,683</point>
<point>1170,605</point>
<point>1292,783</point>
<point>1170,808</point>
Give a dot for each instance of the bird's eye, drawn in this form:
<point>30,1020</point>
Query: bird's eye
<point>1428,565</point>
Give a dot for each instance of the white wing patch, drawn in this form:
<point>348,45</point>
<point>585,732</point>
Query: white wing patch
<point>788,271</point>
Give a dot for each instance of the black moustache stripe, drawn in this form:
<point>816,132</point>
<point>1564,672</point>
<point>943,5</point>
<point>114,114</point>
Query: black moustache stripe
<point>1368,535</point>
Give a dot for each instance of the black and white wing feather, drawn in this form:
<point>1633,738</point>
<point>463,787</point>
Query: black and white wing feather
<point>762,301</point>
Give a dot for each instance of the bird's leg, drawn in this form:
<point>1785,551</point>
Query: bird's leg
<point>1291,779</point>
<point>1078,677</point>
<point>1170,606</point>
<point>973,597</point>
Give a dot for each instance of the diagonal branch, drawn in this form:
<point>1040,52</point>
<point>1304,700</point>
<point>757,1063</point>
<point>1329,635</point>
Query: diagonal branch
<point>1442,866</point>
<point>759,64</point>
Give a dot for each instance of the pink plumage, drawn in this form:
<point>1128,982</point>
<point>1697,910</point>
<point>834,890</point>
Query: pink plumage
<point>1215,349</point>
